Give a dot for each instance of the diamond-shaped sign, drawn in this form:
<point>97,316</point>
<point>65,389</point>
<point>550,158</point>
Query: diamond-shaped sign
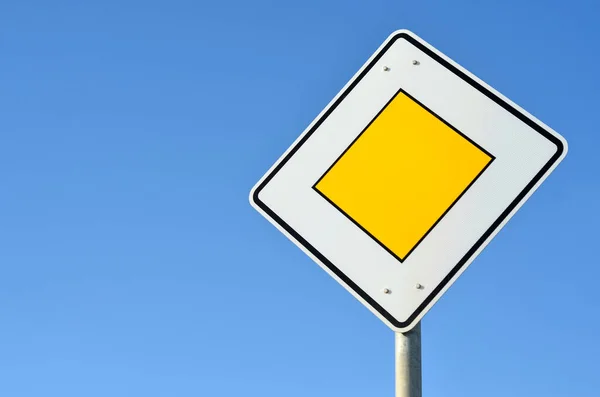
<point>405,177</point>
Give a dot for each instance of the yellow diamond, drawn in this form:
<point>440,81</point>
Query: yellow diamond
<point>402,174</point>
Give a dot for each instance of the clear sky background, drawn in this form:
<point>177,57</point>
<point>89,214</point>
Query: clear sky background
<point>131,263</point>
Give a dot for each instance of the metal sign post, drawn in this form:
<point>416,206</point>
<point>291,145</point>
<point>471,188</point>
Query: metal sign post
<point>408,363</point>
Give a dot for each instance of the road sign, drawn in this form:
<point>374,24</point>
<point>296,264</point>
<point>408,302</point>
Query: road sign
<point>405,177</point>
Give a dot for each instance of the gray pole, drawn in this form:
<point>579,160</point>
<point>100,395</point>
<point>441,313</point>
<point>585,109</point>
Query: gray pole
<point>408,363</point>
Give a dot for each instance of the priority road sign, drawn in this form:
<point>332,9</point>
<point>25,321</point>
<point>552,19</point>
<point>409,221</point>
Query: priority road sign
<point>405,177</point>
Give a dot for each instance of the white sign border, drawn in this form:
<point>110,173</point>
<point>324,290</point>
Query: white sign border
<point>461,266</point>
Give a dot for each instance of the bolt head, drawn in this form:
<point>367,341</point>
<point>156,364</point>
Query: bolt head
<point>415,62</point>
<point>386,68</point>
<point>387,291</point>
<point>419,286</point>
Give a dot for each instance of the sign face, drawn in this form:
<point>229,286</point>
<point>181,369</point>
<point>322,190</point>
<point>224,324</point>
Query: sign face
<point>405,177</point>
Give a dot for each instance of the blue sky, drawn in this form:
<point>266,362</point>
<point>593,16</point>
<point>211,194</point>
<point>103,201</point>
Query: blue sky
<point>132,264</point>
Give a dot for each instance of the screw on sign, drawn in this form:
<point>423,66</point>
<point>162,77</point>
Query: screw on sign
<point>403,180</point>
